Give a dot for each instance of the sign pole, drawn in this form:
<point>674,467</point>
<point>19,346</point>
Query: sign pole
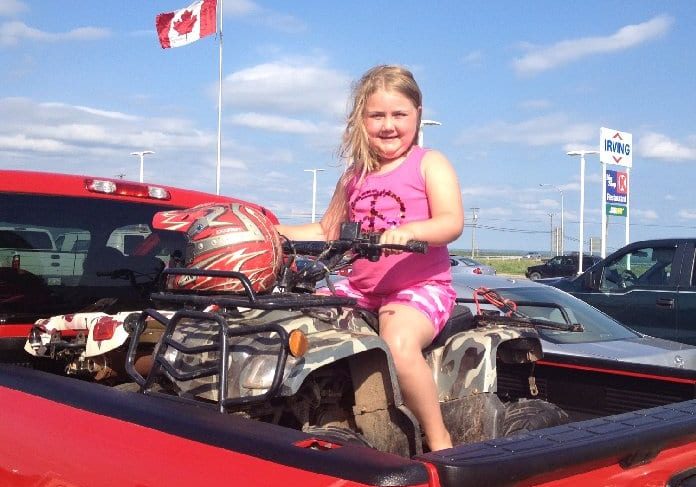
<point>603,211</point>
<point>628,213</point>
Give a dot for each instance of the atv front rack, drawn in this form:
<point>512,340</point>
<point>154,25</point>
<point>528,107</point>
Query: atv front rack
<point>209,317</point>
<point>218,366</point>
<point>249,299</point>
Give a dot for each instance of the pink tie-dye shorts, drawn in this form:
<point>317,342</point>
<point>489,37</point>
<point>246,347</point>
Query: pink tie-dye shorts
<point>434,299</point>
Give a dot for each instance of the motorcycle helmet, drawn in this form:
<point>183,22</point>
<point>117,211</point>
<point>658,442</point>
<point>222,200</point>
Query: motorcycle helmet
<point>224,237</point>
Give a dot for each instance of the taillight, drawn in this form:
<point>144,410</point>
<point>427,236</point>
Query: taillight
<point>16,262</point>
<point>477,270</point>
<point>123,188</point>
<point>104,329</point>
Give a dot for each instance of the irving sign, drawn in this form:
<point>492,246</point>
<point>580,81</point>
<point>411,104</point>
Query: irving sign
<point>615,147</point>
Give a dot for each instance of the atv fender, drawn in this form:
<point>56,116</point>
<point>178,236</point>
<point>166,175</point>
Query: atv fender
<point>466,364</point>
<point>379,412</point>
<point>330,346</point>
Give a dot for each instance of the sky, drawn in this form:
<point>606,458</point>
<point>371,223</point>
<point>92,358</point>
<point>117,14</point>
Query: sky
<point>514,85</point>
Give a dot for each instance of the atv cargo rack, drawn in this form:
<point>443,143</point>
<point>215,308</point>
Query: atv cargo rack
<point>209,314</point>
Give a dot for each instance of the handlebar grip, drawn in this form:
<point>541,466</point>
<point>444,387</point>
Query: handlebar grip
<point>417,246</point>
<point>304,247</point>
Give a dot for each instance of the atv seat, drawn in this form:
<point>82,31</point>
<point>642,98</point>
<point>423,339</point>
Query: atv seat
<point>462,319</point>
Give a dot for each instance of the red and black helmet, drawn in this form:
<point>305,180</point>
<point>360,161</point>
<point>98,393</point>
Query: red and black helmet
<point>225,237</point>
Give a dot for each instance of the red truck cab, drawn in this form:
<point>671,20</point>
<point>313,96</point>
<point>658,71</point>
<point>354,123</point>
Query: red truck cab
<point>95,222</point>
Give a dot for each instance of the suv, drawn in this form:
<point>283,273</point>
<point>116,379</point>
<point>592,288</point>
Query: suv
<point>560,266</point>
<point>107,257</point>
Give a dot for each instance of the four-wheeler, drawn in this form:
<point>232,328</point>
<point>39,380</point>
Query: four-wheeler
<point>316,363</point>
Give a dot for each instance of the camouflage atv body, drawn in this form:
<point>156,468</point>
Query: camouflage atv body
<point>236,358</point>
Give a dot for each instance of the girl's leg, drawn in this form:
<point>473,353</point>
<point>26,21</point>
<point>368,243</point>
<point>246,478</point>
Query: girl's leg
<point>407,331</point>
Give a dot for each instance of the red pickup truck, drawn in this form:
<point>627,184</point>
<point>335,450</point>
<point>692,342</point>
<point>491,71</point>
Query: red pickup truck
<point>631,424</point>
<point>111,217</point>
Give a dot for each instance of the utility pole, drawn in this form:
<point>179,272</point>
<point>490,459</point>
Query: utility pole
<point>553,243</point>
<point>473,231</point>
<point>561,249</point>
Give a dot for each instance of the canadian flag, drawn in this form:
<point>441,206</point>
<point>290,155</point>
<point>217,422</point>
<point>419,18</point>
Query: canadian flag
<point>176,29</point>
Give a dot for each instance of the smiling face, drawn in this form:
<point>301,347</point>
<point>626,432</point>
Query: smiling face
<point>391,123</point>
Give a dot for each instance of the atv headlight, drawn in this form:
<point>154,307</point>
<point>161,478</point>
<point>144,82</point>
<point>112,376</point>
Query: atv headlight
<point>258,372</point>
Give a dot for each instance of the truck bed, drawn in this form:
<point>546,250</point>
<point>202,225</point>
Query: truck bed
<point>166,442</point>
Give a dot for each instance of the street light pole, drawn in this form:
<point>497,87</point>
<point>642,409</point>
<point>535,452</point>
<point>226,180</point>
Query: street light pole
<point>142,160</point>
<point>561,249</point>
<point>420,129</point>
<point>582,154</point>
<point>314,191</point>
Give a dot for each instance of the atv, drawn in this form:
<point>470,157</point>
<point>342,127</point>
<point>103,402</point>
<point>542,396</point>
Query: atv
<point>316,362</point>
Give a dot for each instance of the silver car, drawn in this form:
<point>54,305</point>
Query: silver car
<point>601,337</point>
<point>465,265</point>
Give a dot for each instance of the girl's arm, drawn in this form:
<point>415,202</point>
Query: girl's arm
<point>445,202</point>
<point>308,231</point>
<point>327,229</point>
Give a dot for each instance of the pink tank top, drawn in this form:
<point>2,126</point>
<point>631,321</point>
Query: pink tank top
<point>385,201</point>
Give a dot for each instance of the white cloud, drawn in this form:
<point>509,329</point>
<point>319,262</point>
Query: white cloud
<point>11,33</point>
<point>9,8</point>
<point>91,140</point>
<point>288,87</point>
<point>688,214</point>
<point>275,123</point>
<point>547,57</point>
<point>658,146</point>
<point>545,130</point>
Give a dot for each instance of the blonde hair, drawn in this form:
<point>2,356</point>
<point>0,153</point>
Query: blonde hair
<point>355,148</point>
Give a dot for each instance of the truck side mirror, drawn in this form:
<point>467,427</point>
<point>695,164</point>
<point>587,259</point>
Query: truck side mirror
<point>591,279</point>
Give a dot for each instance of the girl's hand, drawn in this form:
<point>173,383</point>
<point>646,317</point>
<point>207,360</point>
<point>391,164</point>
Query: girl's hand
<point>398,236</point>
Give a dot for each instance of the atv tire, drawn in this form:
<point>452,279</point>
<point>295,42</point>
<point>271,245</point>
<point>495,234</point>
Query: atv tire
<point>339,435</point>
<point>531,414</point>
<point>134,387</point>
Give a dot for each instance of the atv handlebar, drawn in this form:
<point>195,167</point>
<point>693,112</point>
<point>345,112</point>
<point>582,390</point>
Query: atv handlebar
<point>336,254</point>
<point>363,247</point>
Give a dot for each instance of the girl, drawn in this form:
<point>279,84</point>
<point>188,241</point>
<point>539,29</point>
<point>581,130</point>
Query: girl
<point>395,187</point>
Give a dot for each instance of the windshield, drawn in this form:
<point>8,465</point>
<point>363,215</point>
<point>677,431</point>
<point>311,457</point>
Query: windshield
<point>66,254</point>
<point>597,326</point>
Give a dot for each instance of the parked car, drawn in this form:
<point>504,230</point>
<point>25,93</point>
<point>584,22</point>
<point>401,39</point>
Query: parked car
<point>109,257</point>
<point>560,266</point>
<point>600,336</point>
<point>649,285</point>
<point>465,265</point>
<point>532,256</point>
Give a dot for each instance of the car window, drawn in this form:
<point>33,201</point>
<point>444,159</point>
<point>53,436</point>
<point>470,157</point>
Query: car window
<point>648,266</point>
<point>94,238</point>
<point>597,326</point>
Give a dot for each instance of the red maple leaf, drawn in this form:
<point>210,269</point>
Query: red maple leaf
<point>185,24</point>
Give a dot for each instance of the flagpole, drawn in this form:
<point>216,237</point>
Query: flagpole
<point>219,137</point>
